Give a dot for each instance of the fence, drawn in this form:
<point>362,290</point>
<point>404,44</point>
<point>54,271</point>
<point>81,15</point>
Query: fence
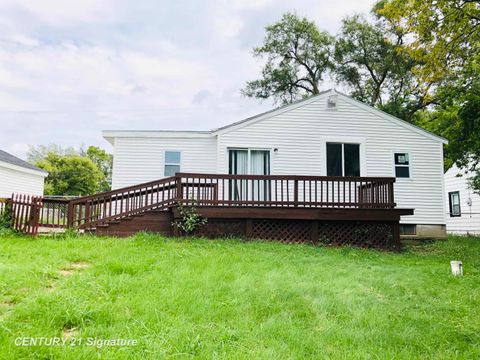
<point>25,213</point>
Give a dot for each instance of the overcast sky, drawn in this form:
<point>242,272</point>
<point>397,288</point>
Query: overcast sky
<point>70,69</point>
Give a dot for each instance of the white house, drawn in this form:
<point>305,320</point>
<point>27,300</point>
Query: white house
<point>329,134</point>
<point>18,176</point>
<point>462,204</point>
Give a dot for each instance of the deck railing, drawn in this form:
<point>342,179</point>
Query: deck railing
<point>96,209</point>
<point>286,191</point>
<point>230,190</point>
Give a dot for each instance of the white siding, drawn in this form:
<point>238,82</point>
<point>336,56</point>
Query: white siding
<point>300,135</point>
<point>469,221</point>
<point>15,181</point>
<point>142,159</point>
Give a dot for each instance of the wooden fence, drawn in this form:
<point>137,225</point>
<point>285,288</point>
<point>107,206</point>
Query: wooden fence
<point>25,213</point>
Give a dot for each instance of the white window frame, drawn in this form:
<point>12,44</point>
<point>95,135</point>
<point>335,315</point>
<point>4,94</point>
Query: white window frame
<point>409,166</point>
<point>343,155</point>
<point>345,140</point>
<point>165,160</point>
<point>249,150</point>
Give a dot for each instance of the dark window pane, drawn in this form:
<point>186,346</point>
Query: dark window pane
<point>401,159</point>
<point>352,159</point>
<point>170,170</point>
<point>334,159</point>
<point>402,171</point>
<point>407,229</point>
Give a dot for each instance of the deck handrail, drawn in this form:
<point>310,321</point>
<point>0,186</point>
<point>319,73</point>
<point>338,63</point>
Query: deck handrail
<point>286,177</point>
<point>289,190</point>
<point>232,190</point>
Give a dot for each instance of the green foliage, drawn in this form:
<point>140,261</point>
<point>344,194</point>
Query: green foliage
<point>370,59</point>
<point>191,220</point>
<point>297,57</point>
<point>6,217</point>
<point>104,162</point>
<point>444,34</point>
<point>73,172</point>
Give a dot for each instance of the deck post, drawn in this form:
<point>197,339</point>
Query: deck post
<point>248,228</point>
<point>314,232</point>
<point>179,195</point>
<point>396,232</point>
<point>70,215</point>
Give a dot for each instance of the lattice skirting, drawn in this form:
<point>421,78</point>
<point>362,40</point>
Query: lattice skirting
<point>222,228</point>
<point>290,231</point>
<point>327,233</point>
<point>358,233</point>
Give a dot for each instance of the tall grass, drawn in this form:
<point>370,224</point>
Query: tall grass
<point>184,298</point>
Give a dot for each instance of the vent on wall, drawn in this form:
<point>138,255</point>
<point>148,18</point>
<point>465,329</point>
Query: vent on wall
<point>332,102</point>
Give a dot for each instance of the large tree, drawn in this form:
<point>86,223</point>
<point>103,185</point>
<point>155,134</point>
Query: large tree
<point>372,62</point>
<point>298,55</point>
<point>446,39</point>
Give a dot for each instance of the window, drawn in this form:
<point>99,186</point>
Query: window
<point>343,159</point>
<point>408,229</point>
<point>172,163</point>
<point>402,165</point>
<point>454,202</point>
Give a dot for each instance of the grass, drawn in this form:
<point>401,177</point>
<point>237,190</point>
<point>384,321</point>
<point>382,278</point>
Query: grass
<point>185,298</point>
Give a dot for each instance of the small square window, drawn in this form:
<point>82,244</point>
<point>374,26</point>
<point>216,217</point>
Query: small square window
<point>402,165</point>
<point>172,163</point>
<point>408,229</point>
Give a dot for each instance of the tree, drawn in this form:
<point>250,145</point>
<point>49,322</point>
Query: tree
<point>70,174</point>
<point>73,172</point>
<point>35,154</point>
<point>445,33</point>
<point>104,161</point>
<point>446,39</point>
<point>371,61</point>
<point>298,56</point>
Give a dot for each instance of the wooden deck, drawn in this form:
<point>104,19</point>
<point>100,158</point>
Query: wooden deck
<point>331,210</point>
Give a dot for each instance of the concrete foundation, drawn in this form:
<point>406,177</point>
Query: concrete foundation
<point>428,231</point>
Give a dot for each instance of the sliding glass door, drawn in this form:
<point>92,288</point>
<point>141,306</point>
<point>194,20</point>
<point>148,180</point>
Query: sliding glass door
<point>249,162</point>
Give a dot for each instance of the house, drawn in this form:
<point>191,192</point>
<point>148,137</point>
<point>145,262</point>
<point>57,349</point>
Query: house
<point>462,203</point>
<point>18,176</point>
<point>329,134</point>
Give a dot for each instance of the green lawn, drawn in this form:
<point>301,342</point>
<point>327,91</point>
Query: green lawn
<point>230,299</point>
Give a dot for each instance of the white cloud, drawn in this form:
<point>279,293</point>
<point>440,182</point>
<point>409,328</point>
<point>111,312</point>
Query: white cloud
<point>69,69</point>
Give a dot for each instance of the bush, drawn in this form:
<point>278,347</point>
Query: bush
<point>6,217</point>
<point>191,220</point>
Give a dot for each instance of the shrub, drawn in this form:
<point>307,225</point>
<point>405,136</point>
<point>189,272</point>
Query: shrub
<point>191,220</point>
<point>6,217</point>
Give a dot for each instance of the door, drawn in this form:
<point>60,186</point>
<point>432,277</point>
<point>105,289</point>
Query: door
<point>249,162</point>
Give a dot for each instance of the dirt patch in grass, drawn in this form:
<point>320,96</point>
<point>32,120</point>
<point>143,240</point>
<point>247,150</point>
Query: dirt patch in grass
<point>69,332</point>
<point>73,267</point>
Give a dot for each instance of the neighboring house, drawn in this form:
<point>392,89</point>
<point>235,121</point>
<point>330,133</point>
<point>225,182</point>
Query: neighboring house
<point>328,134</point>
<point>462,204</point>
<point>18,176</point>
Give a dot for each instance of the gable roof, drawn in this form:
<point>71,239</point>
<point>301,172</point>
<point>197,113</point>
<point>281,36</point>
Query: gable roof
<point>313,98</point>
<point>109,135</point>
<point>9,159</point>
